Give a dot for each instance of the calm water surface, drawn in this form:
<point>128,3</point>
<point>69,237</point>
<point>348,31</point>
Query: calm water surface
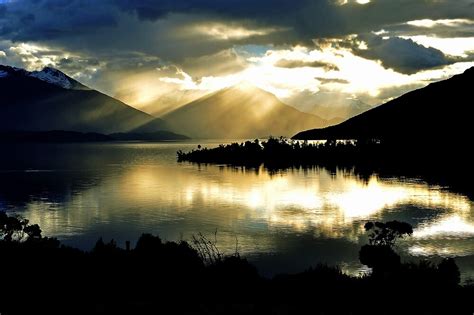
<point>282,221</point>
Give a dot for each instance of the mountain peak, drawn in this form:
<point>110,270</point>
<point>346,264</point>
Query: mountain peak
<point>245,86</point>
<point>6,71</point>
<point>54,76</point>
<point>239,112</point>
<point>439,113</point>
<point>48,74</point>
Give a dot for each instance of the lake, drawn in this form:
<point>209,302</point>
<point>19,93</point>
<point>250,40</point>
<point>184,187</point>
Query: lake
<point>282,221</point>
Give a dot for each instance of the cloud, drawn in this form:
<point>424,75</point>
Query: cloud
<point>3,10</point>
<point>332,80</point>
<point>402,55</point>
<point>285,63</point>
<point>308,19</point>
<point>227,31</point>
<point>428,23</point>
<point>109,43</point>
<point>175,30</point>
<point>49,19</point>
<point>223,63</point>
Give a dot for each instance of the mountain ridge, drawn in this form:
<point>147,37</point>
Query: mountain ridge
<point>440,111</point>
<point>239,111</point>
<point>40,101</point>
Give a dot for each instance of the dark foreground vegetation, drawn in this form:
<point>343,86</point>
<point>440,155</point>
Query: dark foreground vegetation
<point>444,163</point>
<point>41,276</point>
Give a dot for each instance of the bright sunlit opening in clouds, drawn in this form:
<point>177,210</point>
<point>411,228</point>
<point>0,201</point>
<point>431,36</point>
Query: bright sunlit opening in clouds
<point>459,47</point>
<point>428,23</point>
<point>288,72</point>
<point>227,32</point>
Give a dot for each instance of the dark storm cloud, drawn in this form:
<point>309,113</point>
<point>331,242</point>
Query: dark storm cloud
<point>124,34</point>
<point>152,10</point>
<point>36,20</point>
<point>3,10</point>
<point>402,55</point>
<point>308,18</point>
<point>440,30</point>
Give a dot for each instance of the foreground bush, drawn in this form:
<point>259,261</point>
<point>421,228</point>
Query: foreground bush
<point>39,275</point>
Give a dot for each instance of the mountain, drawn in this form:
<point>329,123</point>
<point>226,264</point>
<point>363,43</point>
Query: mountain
<point>342,111</point>
<point>61,136</point>
<point>50,100</point>
<point>240,112</point>
<point>439,113</point>
<point>54,136</point>
<point>57,78</point>
<point>150,136</point>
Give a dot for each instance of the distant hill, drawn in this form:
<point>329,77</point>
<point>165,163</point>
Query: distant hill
<point>438,113</point>
<point>61,136</point>
<point>242,111</point>
<point>150,136</point>
<point>50,100</point>
<point>340,112</point>
<point>52,136</point>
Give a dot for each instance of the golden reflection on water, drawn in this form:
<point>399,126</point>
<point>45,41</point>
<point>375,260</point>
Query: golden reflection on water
<point>333,205</point>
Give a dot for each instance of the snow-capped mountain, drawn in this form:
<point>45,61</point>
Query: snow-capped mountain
<point>50,100</point>
<point>53,76</point>
<point>48,74</point>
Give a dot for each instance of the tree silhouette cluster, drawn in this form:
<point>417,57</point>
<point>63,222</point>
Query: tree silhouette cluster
<point>430,160</point>
<point>17,228</point>
<point>386,264</point>
<point>275,152</point>
<point>385,234</point>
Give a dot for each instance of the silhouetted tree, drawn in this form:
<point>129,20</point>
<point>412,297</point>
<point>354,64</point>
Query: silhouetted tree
<point>105,249</point>
<point>16,228</point>
<point>33,231</point>
<point>379,254</point>
<point>386,233</point>
<point>147,243</point>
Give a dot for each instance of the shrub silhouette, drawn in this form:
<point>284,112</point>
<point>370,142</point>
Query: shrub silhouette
<point>385,234</point>
<point>449,272</point>
<point>148,243</point>
<point>379,254</point>
<point>16,228</point>
<point>39,275</point>
<point>386,264</point>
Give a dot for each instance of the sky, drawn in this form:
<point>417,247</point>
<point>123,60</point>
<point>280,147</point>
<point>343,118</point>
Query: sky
<point>156,55</point>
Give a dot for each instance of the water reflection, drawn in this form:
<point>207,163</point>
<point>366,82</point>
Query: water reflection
<point>298,216</point>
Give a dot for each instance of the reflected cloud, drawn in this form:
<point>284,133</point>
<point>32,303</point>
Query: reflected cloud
<point>143,191</point>
<point>451,226</point>
<point>293,200</point>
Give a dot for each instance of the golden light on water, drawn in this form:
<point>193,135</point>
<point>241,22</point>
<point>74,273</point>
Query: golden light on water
<point>452,226</point>
<point>313,201</point>
<point>285,200</point>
